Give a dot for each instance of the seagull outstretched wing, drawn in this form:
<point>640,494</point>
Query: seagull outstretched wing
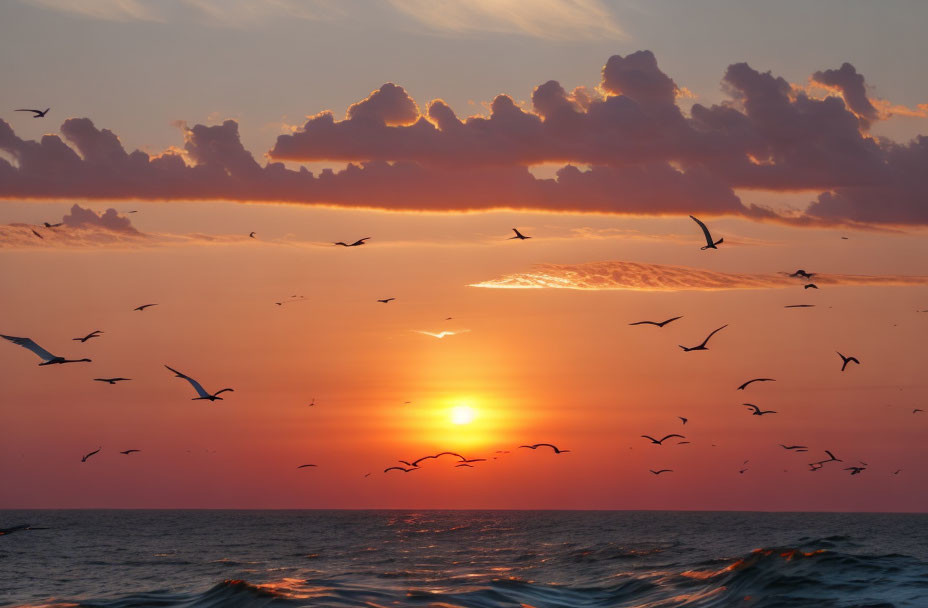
<point>28,343</point>
<point>196,385</point>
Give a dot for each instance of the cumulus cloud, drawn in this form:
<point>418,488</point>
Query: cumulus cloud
<point>640,276</point>
<point>641,153</point>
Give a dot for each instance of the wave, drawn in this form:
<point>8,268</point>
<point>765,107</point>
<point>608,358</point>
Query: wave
<point>811,574</point>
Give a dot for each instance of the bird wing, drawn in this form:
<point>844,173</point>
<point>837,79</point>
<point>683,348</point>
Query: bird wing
<point>25,110</point>
<point>713,333</point>
<point>705,230</point>
<point>303,466</point>
<point>359,241</point>
<point>752,406</point>
<point>196,385</point>
<point>28,343</point>
<point>645,323</point>
<point>225,390</point>
<point>674,435</point>
<point>394,469</point>
<point>651,438</point>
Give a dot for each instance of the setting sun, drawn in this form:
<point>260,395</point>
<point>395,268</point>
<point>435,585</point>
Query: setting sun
<point>462,414</point>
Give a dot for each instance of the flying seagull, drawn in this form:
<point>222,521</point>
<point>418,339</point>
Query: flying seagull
<point>111,380</point>
<point>47,357</point>
<point>386,300</point>
<point>659,324</point>
<point>357,243</point>
<point>800,306</point>
<point>415,463</point>
<point>251,235</point>
<point>661,471</point>
<point>547,445</point>
<point>661,441</point>
<point>702,346</point>
<point>47,225</point>
<point>810,286</point>
<point>800,448</point>
<point>303,466</point>
<point>94,334</point>
<point>518,235</point>
<point>757,411</point>
<point>144,306</point>
<point>198,388</point>
<point>400,469</point>
<point>463,464</point>
<point>683,419</point>
<point>86,456</point>
<point>847,360</point>
<point>38,113</point>
<point>705,231</point>
<point>744,386</point>
<point>127,452</point>
<point>802,273</point>
<point>855,470</point>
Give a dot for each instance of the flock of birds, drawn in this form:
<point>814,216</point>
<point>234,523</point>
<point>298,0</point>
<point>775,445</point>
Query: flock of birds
<point>48,358</point>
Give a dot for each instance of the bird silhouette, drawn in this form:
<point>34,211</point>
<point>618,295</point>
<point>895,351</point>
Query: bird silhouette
<point>745,385</point>
<point>94,334</point>
<point>199,388</point>
<point>518,235</point>
<point>800,306</point>
<point>37,234</point>
<point>855,470</point>
<point>800,448</point>
<point>702,346</point>
<point>357,243</point>
<point>705,232</point>
<point>810,286</point>
<point>415,463</point>
<point>547,445</point>
<point>251,235</point>
<point>463,464</point>
<point>802,273</point>
<point>846,360</point>
<point>659,324</point>
<point>86,456</point>
<point>917,410</point>
<point>757,411</point>
<point>400,469</point>
<point>38,113</point>
<point>303,466</point>
<point>661,441</point>
<point>658,472</point>
<point>144,306</point>
<point>386,300</point>
<point>683,419</point>
<point>127,452</point>
<point>111,380</point>
<point>47,357</point>
<point>47,225</point>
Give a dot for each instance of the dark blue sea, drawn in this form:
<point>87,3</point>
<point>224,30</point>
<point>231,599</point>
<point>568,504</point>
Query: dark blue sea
<point>472,559</point>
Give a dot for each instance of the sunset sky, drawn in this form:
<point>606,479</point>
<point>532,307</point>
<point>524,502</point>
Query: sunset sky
<point>434,128</point>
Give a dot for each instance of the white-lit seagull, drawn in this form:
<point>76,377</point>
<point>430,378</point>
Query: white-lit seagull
<point>199,388</point>
<point>705,231</point>
<point>47,357</point>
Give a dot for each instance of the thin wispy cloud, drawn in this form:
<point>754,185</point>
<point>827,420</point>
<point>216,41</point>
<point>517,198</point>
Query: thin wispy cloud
<point>551,19</point>
<point>616,275</point>
<point>441,334</point>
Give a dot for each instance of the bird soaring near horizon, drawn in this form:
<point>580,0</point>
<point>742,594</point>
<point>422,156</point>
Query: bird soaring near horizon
<point>127,452</point>
<point>47,225</point>
<point>94,334</point>
<point>400,469</point>
<point>802,273</point>
<point>658,472</point>
<point>144,306</point>
<point>757,411</point>
<point>386,300</point>
<point>303,466</point>
<point>199,388</point>
<point>810,286</point>
<point>799,306</point>
<point>745,385</point>
<point>251,235</point>
<point>86,456</point>
<point>415,463</point>
<point>38,113</point>
<point>547,445</point>
<point>111,380</point>
<point>518,235</point>
<point>705,232</point>
<point>846,360</point>
<point>47,357</point>
<point>357,243</point>
<point>702,346</point>
<point>793,447</point>
<point>661,441</point>
<point>659,324</point>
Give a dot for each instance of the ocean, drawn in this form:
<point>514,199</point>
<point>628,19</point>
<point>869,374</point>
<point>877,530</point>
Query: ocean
<point>468,559</point>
